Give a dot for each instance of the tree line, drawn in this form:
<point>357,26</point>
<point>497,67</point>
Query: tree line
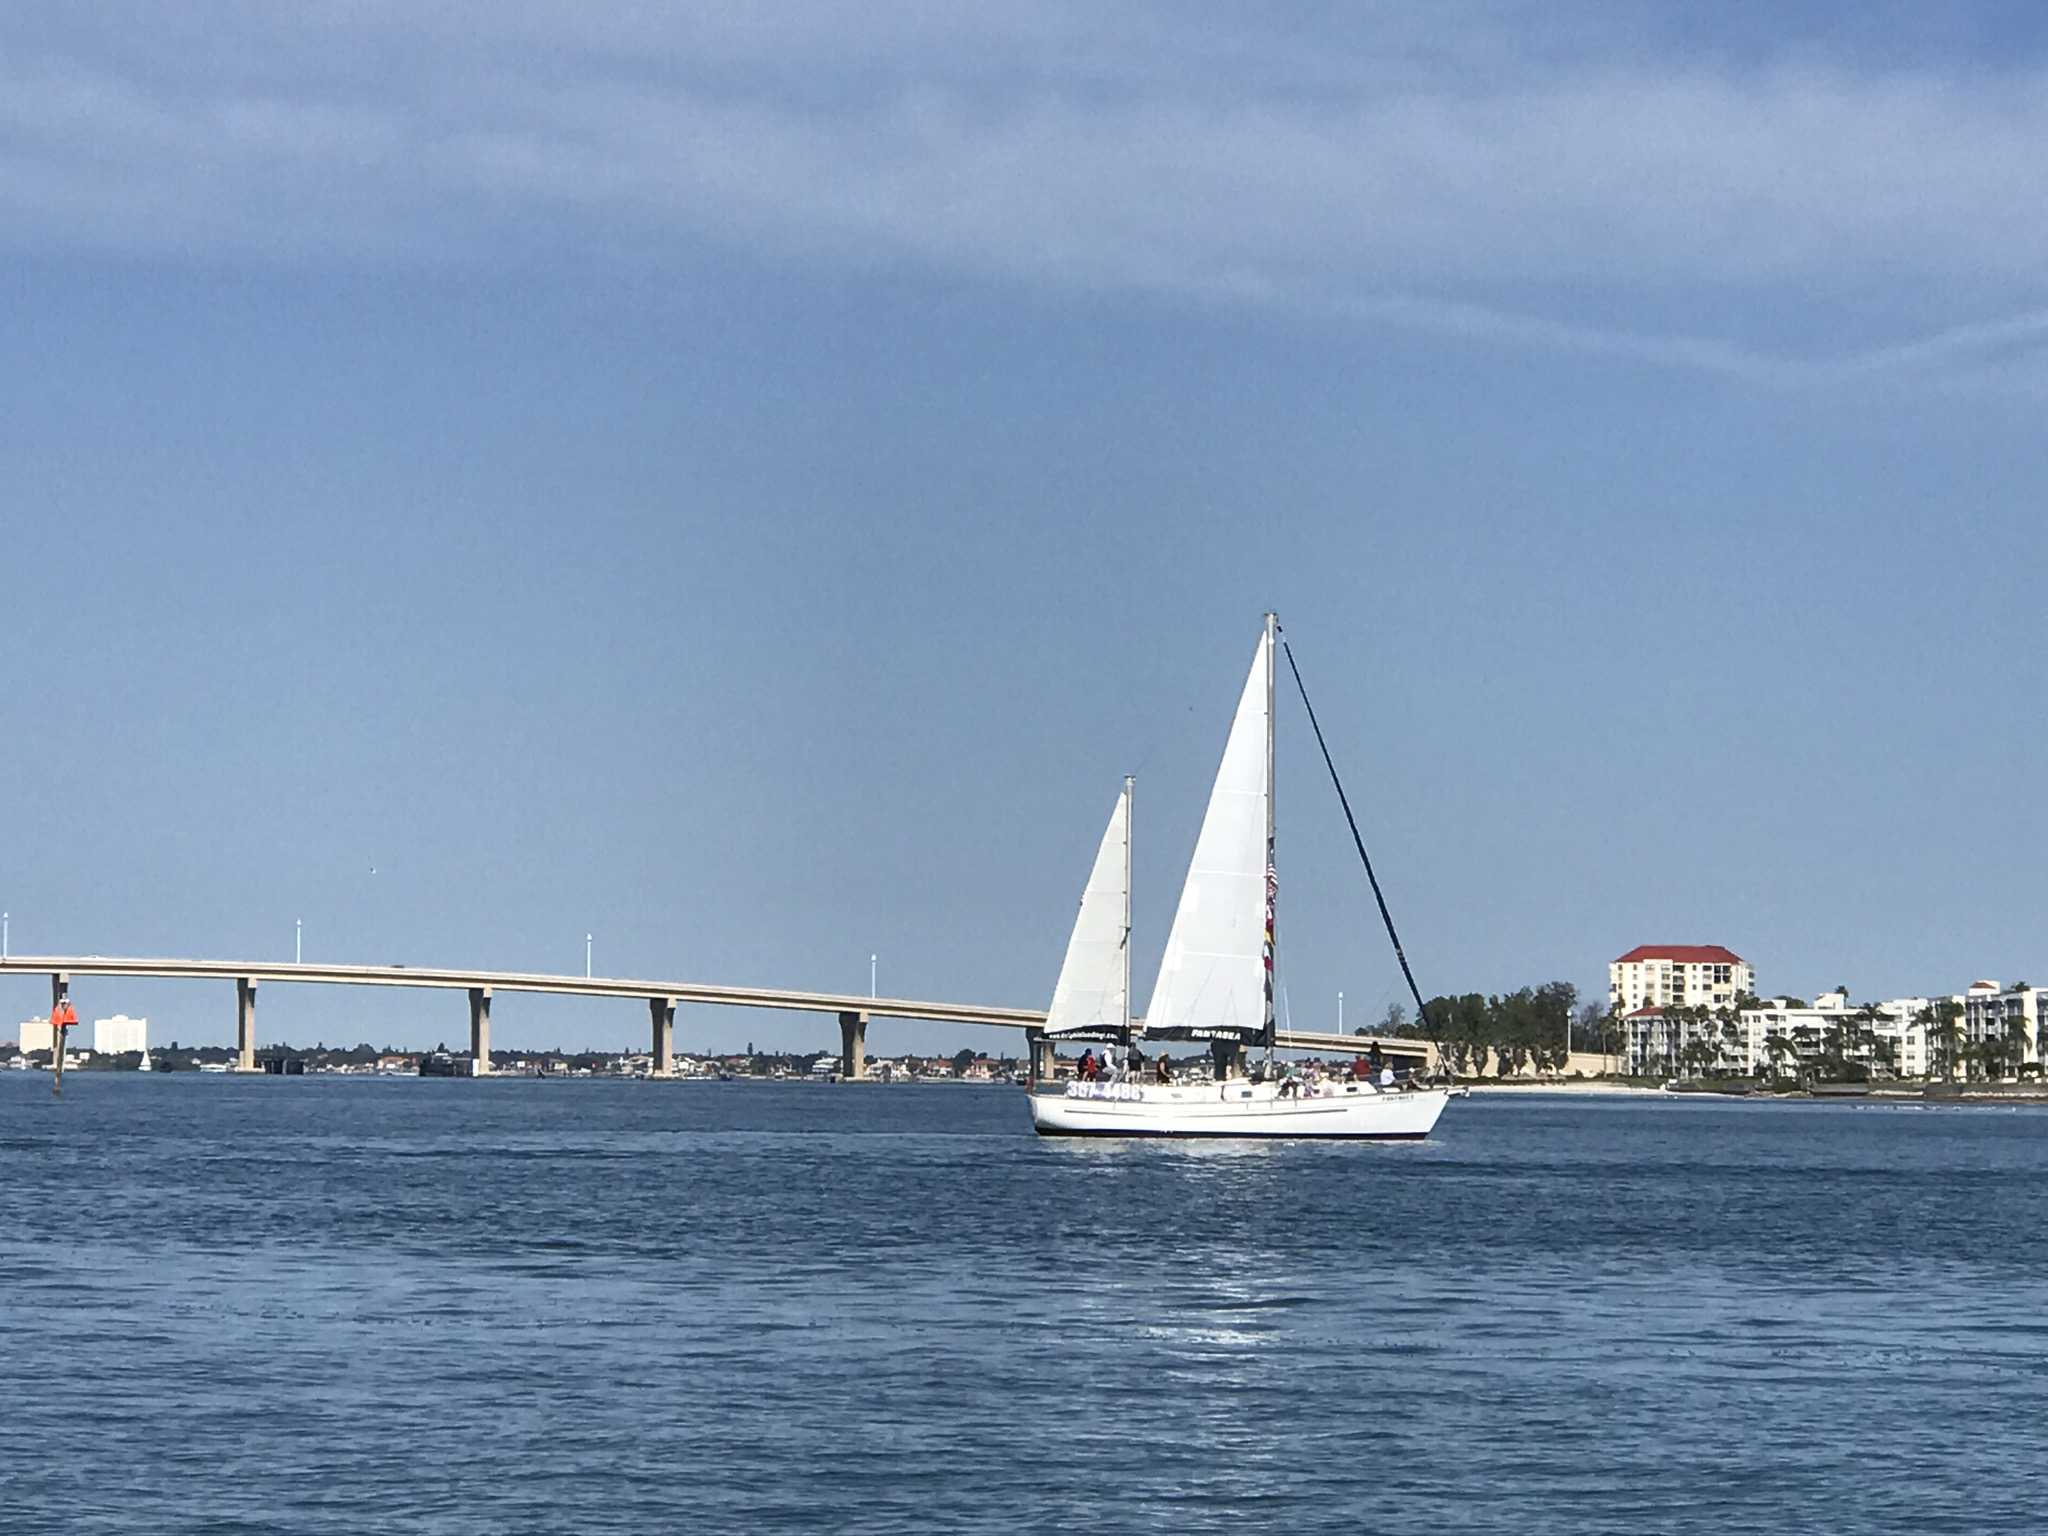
<point>1508,1031</point>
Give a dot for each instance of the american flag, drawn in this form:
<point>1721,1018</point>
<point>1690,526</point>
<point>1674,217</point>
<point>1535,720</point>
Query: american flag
<point>1272,899</point>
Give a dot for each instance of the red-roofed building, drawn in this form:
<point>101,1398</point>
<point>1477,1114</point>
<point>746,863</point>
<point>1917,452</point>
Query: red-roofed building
<point>1684,954</point>
<point>1678,976</point>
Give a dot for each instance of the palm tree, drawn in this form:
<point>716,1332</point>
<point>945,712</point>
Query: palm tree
<point>1923,1020</point>
<point>2018,1043</point>
<point>1948,1016</point>
<point>1731,1034</point>
<point>1696,1018</point>
<point>1835,1048</point>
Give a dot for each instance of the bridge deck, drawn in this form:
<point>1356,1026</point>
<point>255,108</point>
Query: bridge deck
<point>616,986</point>
<point>522,981</point>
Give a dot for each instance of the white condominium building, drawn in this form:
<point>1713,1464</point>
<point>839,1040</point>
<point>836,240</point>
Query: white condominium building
<point>1677,976</point>
<point>1779,1034</point>
<point>1657,1041</point>
<point>33,1036</point>
<point>1911,1028</point>
<point>1994,1011</point>
<point>1783,1031</point>
<point>1895,1036</point>
<point>120,1034</point>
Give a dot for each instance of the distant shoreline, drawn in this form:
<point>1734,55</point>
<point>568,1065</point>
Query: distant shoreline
<point>1987,1098</point>
<point>1622,1089</point>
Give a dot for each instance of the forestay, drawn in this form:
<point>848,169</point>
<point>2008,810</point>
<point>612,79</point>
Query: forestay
<point>1212,978</point>
<point>1091,995</point>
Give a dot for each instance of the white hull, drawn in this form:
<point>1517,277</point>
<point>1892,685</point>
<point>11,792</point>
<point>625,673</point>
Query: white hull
<point>1347,1111</point>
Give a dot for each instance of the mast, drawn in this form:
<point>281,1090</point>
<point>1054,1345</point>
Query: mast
<point>1130,784</point>
<point>1272,877</point>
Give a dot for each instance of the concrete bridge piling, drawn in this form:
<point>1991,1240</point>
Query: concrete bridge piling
<point>662,1010</point>
<point>245,1024</point>
<point>480,1029</point>
<point>853,1047</point>
<point>1040,1051</point>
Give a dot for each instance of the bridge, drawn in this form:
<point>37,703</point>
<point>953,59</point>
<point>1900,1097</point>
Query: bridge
<point>661,997</point>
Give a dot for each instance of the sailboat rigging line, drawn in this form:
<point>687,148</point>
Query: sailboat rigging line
<point>1421,1009</point>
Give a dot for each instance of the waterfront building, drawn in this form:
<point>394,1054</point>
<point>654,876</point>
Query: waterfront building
<point>120,1034</point>
<point>34,1036</point>
<point>1994,1013</point>
<point>1656,1041</point>
<point>1896,1038</point>
<point>1677,976</point>
<point>1691,1038</point>
<point>1909,1026</point>
<point>1781,1036</point>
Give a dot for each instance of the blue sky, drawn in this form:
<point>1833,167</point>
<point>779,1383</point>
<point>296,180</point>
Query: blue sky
<point>747,482</point>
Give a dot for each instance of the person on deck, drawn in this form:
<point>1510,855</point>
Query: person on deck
<point>1375,1061</point>
<point>1087,1067</point>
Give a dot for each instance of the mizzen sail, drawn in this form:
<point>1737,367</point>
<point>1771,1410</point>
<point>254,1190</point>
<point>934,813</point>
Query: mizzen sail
<point>1092,995</point>
<point>1213,979</point>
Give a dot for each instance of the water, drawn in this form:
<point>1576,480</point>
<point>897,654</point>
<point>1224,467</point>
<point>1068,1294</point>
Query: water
<point>451,1307</point>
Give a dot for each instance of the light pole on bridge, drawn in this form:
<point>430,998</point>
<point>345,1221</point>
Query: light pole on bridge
<point>872,961</point>
<point>586,957</point>
<point>298,941</point>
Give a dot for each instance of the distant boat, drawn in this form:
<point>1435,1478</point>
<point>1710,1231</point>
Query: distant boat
<point>1216,978</point>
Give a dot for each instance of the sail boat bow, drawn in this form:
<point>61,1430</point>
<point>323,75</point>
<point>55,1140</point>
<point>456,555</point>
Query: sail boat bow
<point>1215,977</point>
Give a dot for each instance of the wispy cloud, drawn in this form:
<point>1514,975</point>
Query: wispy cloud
<point>1538,179</point>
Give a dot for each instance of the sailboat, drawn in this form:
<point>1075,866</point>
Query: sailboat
<point>1215,979</point>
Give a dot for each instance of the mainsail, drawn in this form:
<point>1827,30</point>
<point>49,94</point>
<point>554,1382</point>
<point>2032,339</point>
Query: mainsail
<point>1213,979</point>
<point>1092,996</point>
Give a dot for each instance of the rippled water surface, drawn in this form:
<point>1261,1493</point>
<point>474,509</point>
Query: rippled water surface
<point>446,1306</point>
